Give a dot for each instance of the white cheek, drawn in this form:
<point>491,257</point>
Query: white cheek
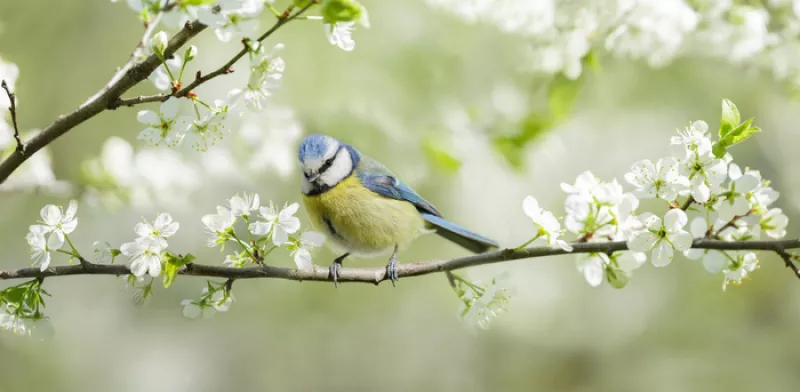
<point>341,168</point>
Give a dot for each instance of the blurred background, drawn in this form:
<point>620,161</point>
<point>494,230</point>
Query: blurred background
<point>437,99</point>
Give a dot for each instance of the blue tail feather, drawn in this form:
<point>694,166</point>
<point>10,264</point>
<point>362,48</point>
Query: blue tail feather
<point>459,235</point>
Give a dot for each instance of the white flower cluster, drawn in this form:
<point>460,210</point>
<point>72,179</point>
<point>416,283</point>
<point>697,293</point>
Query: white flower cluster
<point>214,298</point>
<point>20,310</point>
<point>146,250</point>
<point>271,225</point>
<point>719,199</point>
<point>145,178</point>
<point>481,304</point>
<point>52,233</point>
<point>759,34</point>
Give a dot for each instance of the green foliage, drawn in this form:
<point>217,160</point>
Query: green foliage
<point>438,156</point>
<point>334,11</point>
<point>197,2</point>
<point>301,3</point>
<point>562,92</point>
<point>616,277</point>
<point>172,264</point>
<point>24,300</point>
<point>731,129</point>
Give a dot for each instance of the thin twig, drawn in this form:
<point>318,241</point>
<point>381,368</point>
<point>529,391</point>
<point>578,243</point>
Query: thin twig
<point>377,275</point>
<point>203,78</point>
<point>99,102</point>
<point>12,98</point>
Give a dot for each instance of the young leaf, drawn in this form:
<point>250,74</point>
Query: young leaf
<point>172,264</point>
<point>730,118</point>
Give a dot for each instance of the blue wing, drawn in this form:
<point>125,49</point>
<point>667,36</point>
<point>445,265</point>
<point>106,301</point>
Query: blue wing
<point>380,180</point>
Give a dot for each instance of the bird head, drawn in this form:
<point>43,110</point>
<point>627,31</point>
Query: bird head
<point>325,162</point>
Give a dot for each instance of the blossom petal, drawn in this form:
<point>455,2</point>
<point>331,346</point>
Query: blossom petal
<point>681,240</point>
<point>303,259</point>
<point>662,253</point>
<point>138,267</point>
<point>169,109</point>
<point>675,219</point>
<point>148,117</point>
<point>56,240</point>
<point>714,261</point>
<point>531,207</point>
<point>642,241</point>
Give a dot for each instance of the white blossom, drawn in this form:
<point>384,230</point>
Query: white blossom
<point>221,300</point>
<point>301,249</point>
<point>705,173</point>
<point>103,253</point>
<point>56,223</point>
<point>774,223</point>
<point>690,141</point>
<point>245,204</point>
<point>40,252</point>
<point>158,231</point>
<point>546,224</point>
<point>236,18</point>
<point>656,180</point>
<point>217,225</point>
<point>742,263</point>
<point>593,267</point>
<point>145,256</point>
<point>165,126</point>
<point>659,239</point>
<point>280,224</point>
<point>735,202</point>
<point>340,34</point>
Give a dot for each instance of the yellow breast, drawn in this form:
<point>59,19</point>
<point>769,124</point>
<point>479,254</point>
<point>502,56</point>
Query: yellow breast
<point>361,221</point>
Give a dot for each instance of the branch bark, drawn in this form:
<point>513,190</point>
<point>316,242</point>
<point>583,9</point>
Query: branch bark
<point>377,275</point>
<point>99,102</point>
<point>123,80</point>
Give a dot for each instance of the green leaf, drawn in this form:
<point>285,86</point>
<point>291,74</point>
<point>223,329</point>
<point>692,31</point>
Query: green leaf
<point>561,96</point>
<point>198,2</point>
<point>172,264</point>
<point>301,3</point>
<point>719,150</point>
<point>730,118</point>
<point>617,278</point>
<point>438,156</point>
<point>340,11</point>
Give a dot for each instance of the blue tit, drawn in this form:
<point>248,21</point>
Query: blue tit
<point>364,209</point>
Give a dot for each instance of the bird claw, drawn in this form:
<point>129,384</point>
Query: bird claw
<point>392,269</point>
<point>334,272</point>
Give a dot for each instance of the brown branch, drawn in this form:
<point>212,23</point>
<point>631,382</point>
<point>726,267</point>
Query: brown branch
<point>12,98</point>
<point>99,102</point>
<point>377,275</point>
<point>203,78</point>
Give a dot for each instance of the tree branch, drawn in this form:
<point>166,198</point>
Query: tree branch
<point>225,69</point>
<point>377,275</point>
<point>12,98</point>
<point>99,102</point>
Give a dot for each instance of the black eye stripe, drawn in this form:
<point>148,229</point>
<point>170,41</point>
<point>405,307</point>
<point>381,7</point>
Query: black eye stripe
<point>328,162</point>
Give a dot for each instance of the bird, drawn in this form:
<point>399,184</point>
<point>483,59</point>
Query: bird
<point>365,210</point>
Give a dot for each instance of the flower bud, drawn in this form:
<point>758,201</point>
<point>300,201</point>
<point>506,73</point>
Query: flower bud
<point>159,43</point>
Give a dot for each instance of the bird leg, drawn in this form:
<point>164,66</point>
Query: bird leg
<point>336,267</point>
<point>391,267</point>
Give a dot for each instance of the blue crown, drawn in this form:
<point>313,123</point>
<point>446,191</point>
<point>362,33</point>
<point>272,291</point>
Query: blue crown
<point>313,146</point>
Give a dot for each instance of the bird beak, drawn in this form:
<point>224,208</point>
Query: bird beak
<point>313,178</point>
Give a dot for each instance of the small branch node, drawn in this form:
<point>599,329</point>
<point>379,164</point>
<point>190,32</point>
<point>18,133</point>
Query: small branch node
<point>12,99</point>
